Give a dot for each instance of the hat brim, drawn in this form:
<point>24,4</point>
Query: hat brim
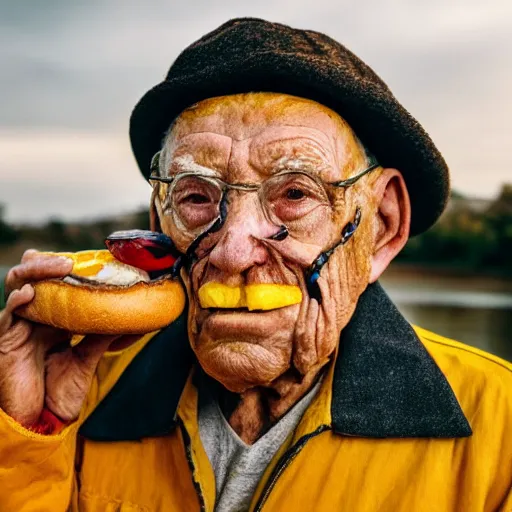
<point>385,127</point>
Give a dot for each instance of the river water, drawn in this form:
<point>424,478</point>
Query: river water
<point>487,329</point>
<point>473,310</point>
<point>476,313</point>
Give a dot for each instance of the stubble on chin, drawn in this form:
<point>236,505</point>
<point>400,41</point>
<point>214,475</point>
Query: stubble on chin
<point>252,353</point>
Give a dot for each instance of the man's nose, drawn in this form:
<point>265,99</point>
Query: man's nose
<point>239,247</point>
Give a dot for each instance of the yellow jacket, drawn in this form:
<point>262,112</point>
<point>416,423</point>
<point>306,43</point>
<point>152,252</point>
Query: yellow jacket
<point>386,432</point>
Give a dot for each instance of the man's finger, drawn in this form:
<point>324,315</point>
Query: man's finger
<point>29,254</point>
<point>16,299</point>
<point>19,298</point>
<point>48,337</point>
<point>17,334</point>
<point>304,354</point>
<point>90,350</point>
<point>37,269</point>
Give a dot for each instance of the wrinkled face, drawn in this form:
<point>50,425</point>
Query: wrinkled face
<point>258,139</point>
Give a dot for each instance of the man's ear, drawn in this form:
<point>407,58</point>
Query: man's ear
<point>393,219</point>
<point>154,219</point>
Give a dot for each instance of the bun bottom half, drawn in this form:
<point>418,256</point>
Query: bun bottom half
<point>87,309</point>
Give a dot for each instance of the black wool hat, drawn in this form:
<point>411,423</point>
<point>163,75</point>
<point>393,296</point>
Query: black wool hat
<point>253,55</point>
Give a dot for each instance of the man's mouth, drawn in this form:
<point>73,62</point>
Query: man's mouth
<point>216,296</point>
<point>228,310</point>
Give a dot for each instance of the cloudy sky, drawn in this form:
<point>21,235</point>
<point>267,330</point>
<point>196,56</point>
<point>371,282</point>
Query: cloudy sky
<point>71,71</point>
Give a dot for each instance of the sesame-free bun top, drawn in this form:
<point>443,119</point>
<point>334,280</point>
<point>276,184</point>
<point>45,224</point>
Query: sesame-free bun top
<point>104,296</point>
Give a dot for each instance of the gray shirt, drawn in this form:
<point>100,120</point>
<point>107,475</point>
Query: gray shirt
<point>238,467</point>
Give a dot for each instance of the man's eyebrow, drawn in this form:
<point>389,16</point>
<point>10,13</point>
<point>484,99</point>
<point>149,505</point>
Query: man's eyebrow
<point>299,163</point>
<point>186,163</point>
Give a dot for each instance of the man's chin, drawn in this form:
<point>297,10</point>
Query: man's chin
<point>240,365</point>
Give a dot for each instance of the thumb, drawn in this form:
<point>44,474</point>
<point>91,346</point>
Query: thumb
<point>16,299</point>
<point>90,350</point>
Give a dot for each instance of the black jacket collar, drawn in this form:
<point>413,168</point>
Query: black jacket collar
<point>385,383</point>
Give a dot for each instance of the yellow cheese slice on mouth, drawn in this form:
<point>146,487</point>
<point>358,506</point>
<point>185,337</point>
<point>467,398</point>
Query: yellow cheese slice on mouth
<point>253,297</point>
<point>217,295</point>
<point>271,296</point>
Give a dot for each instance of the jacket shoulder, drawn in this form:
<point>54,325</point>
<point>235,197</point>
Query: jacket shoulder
<point>481,382</point>
<point>472,358</point>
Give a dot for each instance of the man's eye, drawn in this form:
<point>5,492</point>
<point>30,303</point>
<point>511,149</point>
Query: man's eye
<point>197,199</point>
<point>295,194</point>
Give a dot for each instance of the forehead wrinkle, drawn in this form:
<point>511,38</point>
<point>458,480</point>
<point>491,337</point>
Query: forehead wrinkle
<point>178,136</point>
<point>334,149</point>
<point>207,149</point>
<point>275,155</point>
<point>277,125</point>
<point>191,134</point>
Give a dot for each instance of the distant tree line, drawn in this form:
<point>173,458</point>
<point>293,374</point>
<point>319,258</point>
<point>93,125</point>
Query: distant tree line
<point>466,237</point>
<point>58,235</point>
<point>8,234</point>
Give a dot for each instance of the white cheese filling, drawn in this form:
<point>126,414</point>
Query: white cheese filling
<point>113,273</point>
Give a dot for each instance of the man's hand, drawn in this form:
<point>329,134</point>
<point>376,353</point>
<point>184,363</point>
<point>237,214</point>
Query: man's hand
<point>38,368</point>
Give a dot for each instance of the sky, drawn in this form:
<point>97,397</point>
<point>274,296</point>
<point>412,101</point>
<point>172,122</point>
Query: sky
<point>71,71</point>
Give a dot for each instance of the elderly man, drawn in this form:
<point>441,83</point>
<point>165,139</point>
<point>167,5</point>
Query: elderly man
<point>282,159</point>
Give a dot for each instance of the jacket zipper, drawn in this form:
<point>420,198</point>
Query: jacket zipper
<point>188,451</point>
<point>283,463</point>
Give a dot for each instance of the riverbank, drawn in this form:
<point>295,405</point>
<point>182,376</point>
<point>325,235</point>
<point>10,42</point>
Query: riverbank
<point>467,307</point>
